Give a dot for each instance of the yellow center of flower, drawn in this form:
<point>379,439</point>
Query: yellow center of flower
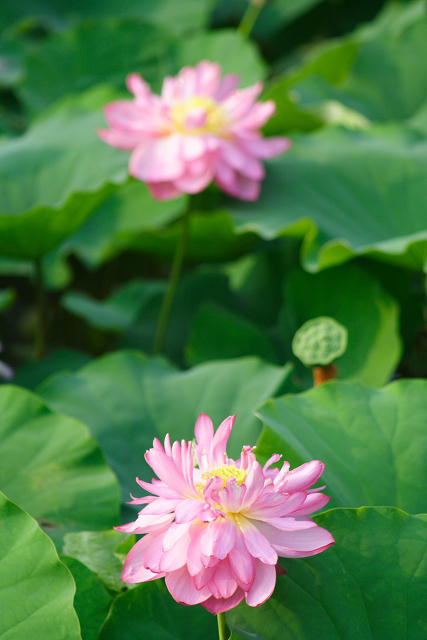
<point>224,472</point>
<point>198,115</point>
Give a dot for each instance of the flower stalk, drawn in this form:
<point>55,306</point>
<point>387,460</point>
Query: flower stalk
<point>250,16</point>
<point>222,627</point>
<point>175,273</point>
<point>40,328</point>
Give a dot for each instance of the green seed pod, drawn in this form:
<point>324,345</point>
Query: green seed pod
<point>320,341</point>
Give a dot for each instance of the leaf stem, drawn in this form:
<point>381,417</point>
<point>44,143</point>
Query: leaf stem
<point>168,299</point>
<point>222,627</point>
<point>249,18</point>
<point>40,328</point>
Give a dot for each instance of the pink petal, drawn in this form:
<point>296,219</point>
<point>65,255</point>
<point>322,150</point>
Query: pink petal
<point>188,510</point>
<point>228,84</point>
<point>289,523</point>
<point>296,544</point>
<point>219,538</point>
<point>153,554</point>
<point>219,605</point>
<point>160,505</point>
<point>134,570</point>
<point>159,489</point>
<point>263,586</point>
<point>313,502</point>
<point>278,505</point>
<point>137,85</point>
<point>125,140</point>
<point>202,578</point>
<point>236,185</point>
<point>267,147</point>
<point>174,533</point>
<point>238,103</point>
<point>187,79</point>
<point>176,557</point>
<point>194,183</point>
<point>231,497</point>
<point>274,458</point>
<point>254,483</point>
<point>163,190</point>
<point>204,434</point>
<point>219,442</point>
<point>303,477</point>
<point>208,78</point>
<point>194,553</point>
<point>242,162</point>
<point>182,588</point>
<point>167,471</point>
<point>158,161</point>
<point>258,115</point>
<point>256,543</point>
<point>127,116</point>
<point>241,562</point>
<point>192,147</point>
<point>170,90</point>
<point>146,524</point>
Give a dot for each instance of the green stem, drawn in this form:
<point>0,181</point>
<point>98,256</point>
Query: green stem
<point>249,18</point>
<point>222,627</point>
<point>40,328</point>
<point>172,284</point>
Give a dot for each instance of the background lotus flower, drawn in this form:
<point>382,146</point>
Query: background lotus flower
<point>215,532</point>
<point>200,129</point>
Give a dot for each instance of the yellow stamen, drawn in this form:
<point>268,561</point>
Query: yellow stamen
<point>215,117</point>
<point>224,472</point>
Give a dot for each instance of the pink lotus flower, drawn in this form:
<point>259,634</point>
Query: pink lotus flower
<point>200,129</point>
<point>216,532</point>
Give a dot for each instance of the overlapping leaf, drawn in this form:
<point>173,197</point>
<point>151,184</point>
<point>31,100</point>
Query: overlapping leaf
<point>159,617</point>
<point>37,590</point>
<point>370,584</point>
<point>347,193</point>
<point>53,177</point>
<point>91,601</point>
<point>52,468</point>
<point>128,399</point>
<point>190,14</point>
<point>373,442</point>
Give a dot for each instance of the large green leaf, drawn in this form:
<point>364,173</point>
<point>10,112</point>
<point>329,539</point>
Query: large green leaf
<point>95,51</point>
<point>234,53</point>
<point>91,601</point>
<point>37,590</point>
<point>127,399</point>
<point>53,177</point>
<point>149,612</point>
<point>371,72</point>
<point>52,468</point>
<point>382,82</point>
<point>119,221</point>
<point>219,333</point>
<point>117,313</point>
<point>374,344</point>
<point>347,193</point>
<point>90,52</point>
<point>373,442</point>
<point>371,584</point>
<point>95,549</point>
<point>187,15</point>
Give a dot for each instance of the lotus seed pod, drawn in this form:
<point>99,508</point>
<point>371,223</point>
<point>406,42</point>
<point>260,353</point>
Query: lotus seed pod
<point>320,341</point>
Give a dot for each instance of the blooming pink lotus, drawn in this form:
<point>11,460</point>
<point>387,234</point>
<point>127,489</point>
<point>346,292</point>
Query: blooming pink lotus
<point>200,129</point>
<point>215,532</point>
